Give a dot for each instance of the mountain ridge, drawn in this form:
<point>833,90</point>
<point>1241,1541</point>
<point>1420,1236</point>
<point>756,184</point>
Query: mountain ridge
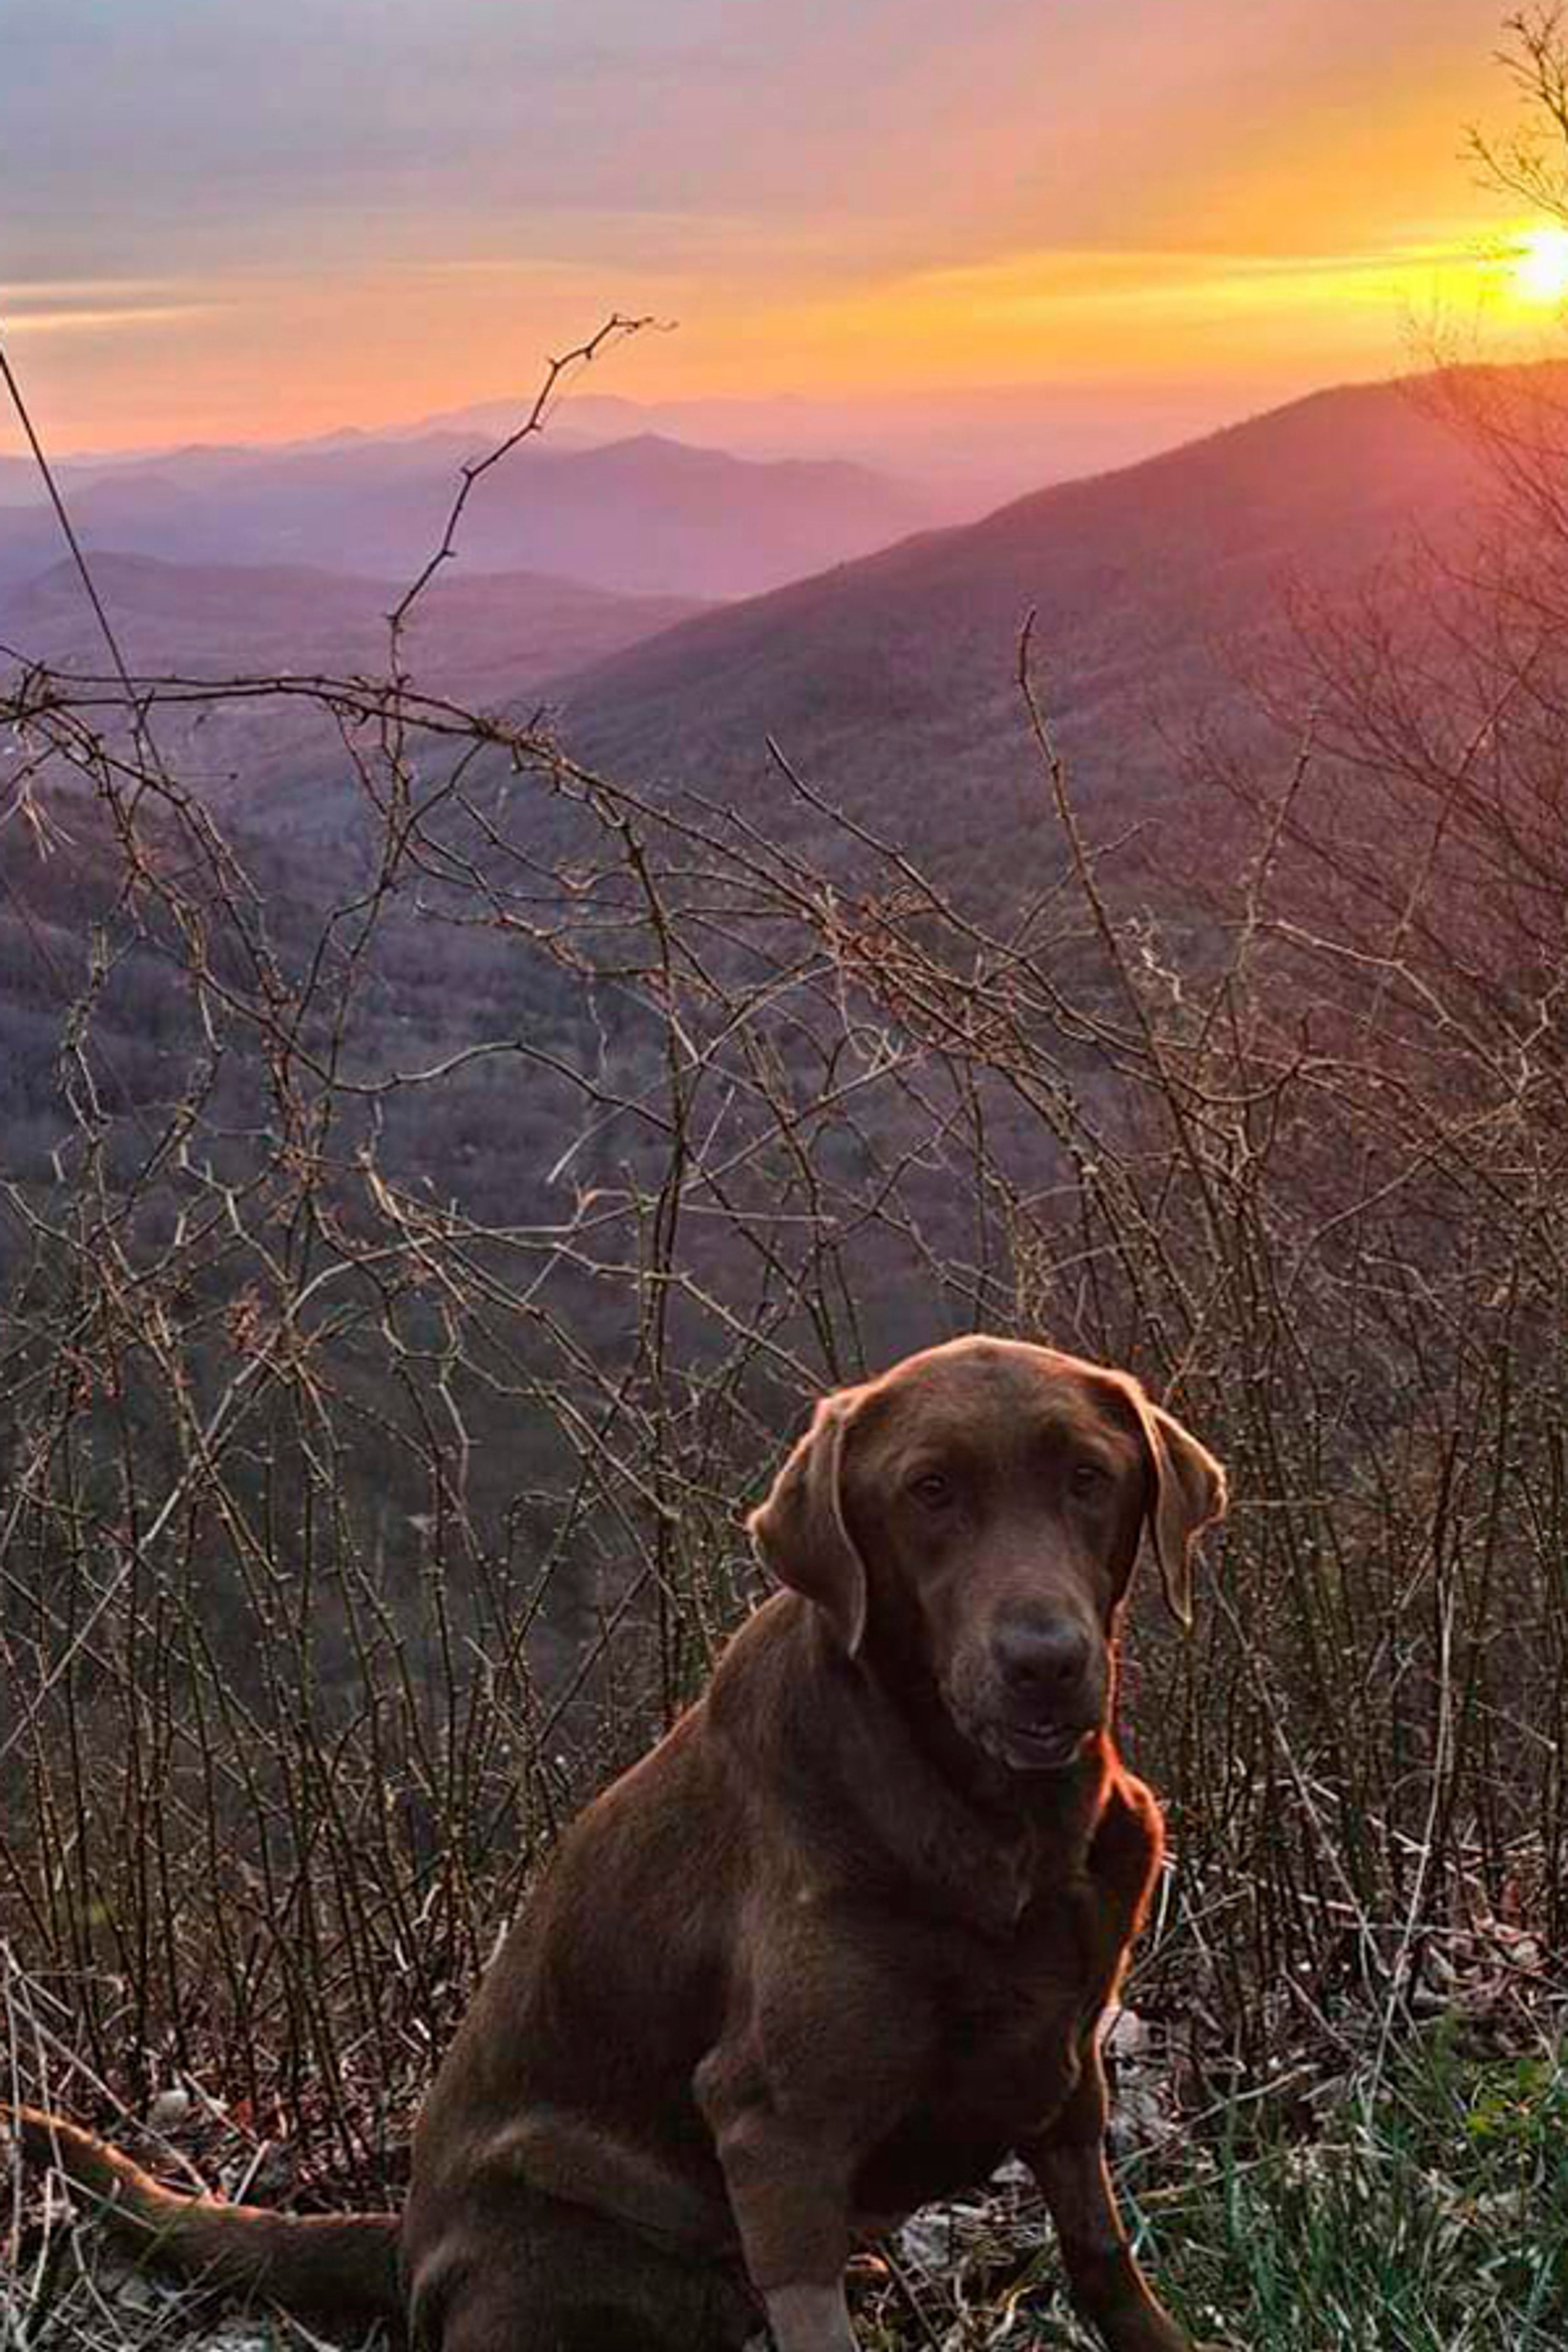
<point>891,683</point>
<point>644,516</point>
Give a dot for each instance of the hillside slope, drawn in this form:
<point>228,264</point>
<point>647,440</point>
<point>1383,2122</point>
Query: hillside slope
<point>487,641</point>
<point>475,635</point>
<point>892,681</point>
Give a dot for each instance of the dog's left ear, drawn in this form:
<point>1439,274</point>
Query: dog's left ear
<point>800,1531</point>
<point>1189,1496</point>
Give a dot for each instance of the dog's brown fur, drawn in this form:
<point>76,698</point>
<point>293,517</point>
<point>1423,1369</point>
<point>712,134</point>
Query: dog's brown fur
<point>836,1946</point>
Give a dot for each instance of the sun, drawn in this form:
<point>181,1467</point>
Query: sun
<point>1540,265</point>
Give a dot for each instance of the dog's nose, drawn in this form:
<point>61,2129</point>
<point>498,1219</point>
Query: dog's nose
<point>1042,1659</point>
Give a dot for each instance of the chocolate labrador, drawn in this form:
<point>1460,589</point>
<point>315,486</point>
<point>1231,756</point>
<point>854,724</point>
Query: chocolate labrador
<point>838,1945</point>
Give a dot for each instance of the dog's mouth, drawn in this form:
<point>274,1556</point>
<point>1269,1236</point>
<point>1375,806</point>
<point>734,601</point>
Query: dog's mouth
<point>1018,1742</point>
<point>1034,1747</point>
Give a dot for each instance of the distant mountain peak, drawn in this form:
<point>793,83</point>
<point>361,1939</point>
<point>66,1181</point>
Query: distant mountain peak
<point>645,515</point>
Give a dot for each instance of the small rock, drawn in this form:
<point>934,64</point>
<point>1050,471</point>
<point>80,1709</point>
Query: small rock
<point>1124,2035</point>
<point>135,2292</point>
<point>169,2110</point>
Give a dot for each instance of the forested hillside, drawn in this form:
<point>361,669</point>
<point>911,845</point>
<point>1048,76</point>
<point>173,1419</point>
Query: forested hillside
<point>890,686</point>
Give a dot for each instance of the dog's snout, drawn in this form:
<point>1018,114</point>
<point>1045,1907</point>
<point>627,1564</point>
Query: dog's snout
<point>1042,1659</point>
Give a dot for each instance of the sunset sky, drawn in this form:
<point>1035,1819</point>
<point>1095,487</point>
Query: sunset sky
<point>227,220</point>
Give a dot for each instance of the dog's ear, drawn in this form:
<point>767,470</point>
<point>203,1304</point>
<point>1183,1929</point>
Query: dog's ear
<point>800,1531</point>
<point>1189,1495</point>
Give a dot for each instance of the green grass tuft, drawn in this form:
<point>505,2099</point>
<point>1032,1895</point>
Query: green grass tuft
<point>1430,2215</point>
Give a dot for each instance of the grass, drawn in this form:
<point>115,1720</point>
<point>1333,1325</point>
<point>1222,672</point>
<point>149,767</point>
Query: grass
<point>1431,2217</point>
<point>1428,2215</point>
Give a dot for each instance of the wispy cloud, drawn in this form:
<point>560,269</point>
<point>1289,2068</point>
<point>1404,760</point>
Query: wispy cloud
<point>55,306</point>
<point>102,321</point>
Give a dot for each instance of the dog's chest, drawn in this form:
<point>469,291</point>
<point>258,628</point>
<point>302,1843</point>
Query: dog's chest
<point>1006,2038</point>
<point>1005,2071</point>
<point>1009,2025</point>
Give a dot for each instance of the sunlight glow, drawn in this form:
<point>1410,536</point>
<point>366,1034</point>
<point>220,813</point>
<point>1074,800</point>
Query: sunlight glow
<point>1540,267</point>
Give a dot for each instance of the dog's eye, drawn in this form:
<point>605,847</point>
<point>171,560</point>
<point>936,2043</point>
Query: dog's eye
<point>1087,1478</point>
<point>932,1489</point>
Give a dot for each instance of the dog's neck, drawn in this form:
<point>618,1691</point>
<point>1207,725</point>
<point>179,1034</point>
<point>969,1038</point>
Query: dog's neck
<point>953,1820</point>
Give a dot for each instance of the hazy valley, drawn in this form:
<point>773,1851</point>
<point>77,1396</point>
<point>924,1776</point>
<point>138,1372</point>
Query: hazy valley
<point>888,683</point>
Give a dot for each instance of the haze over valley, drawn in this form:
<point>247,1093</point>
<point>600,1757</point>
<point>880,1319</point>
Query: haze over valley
<point>888,682</point>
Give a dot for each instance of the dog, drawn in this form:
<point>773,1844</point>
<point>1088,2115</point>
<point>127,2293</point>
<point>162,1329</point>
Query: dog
<point>839,1945</point>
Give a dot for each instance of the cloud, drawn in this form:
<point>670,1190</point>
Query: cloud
<point>53,306</point>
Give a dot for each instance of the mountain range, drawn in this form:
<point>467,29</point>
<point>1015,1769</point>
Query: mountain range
<point>890,680</point>
<point>640,516</point>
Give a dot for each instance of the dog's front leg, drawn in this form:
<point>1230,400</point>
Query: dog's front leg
<point>788,2183</point>
<point>790,2201</point>
<point>1107,2287</point>
<point>810,2319</point>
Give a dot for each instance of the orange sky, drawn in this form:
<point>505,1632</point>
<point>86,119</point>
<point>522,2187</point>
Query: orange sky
<point>236,223</point>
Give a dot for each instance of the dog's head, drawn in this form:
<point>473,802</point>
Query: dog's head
<point>979,1509</point>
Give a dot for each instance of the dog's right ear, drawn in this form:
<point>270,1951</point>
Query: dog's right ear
<point>1190,1494</point>
<point>800,1531</point>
